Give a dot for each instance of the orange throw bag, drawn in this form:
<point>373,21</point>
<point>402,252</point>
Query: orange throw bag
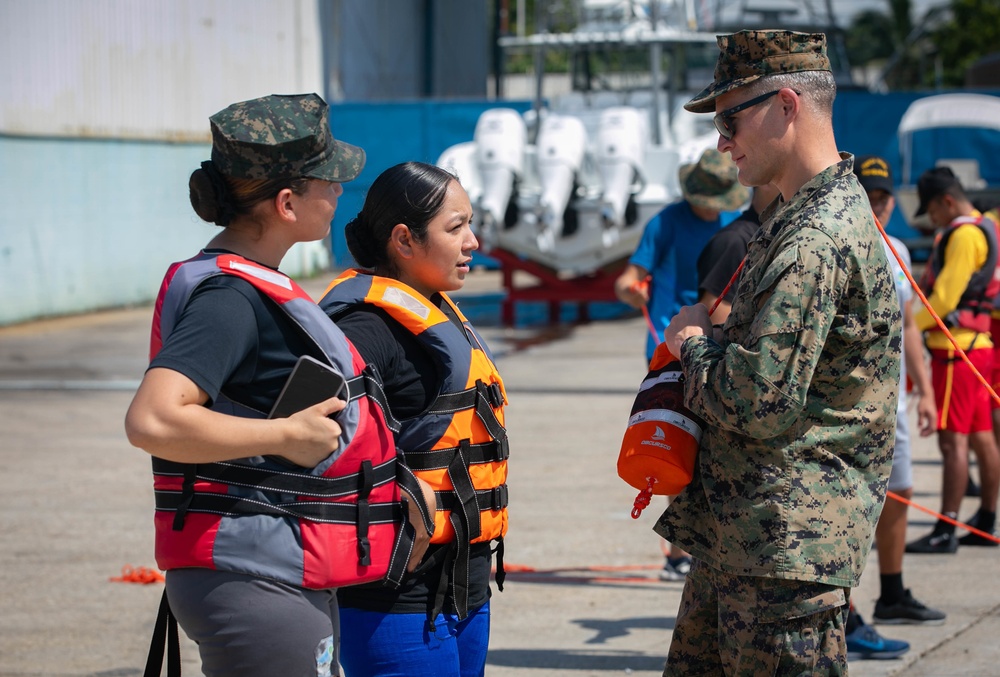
<point>661,442</point>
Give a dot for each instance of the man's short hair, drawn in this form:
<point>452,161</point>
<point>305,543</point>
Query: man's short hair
<point>817,88</point>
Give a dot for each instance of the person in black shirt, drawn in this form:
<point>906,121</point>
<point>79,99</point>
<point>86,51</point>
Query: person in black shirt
<point>253,584</point>
<point>723,254</point>
<point>413,243</point>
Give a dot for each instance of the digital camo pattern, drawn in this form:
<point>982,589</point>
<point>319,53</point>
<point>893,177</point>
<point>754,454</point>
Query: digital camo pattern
<point>713,182</point>
<point>749,55</point>
<point>281,136</point>
<point>745,626</point>
<point>799,401</point>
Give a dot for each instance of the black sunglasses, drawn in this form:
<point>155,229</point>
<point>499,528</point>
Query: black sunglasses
<point>724,122</point>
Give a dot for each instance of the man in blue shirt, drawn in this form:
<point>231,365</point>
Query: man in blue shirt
<point>673,239</point>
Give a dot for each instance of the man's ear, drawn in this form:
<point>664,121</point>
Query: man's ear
<point>790,101</point>
<point>401,240</point>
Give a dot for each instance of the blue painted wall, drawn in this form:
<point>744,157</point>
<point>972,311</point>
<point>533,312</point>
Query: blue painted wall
<point>91,224</point>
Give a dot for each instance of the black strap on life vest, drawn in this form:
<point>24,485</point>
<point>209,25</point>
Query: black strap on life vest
<point>313,511</point>
<point>465,502</point>
<point>368,383</point>
<point>437,459</point>
<point>187,495</point>
<point>165,639</point>
<point>277,480</point>
<point>500,575</point>
<point>365,484</point>
<point>449,403</point>
<point>486,499</point>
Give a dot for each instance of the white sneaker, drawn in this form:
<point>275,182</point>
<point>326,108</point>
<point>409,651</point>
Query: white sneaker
<point>675,570</point>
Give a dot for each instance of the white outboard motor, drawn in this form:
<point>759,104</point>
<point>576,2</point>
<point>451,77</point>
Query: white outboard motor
<point>500,139</point>
<point>460,160</point>
<point>562,141</point>
<point>621,150</point>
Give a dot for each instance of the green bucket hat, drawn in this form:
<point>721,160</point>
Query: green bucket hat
<point>749,55</point>
<point>281,136</point>
<point>713,182</point>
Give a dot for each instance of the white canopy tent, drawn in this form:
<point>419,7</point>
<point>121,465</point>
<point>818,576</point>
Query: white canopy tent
<point>944,110</point>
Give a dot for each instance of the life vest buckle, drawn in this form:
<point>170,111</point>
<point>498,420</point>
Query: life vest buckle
<point>503,449</point>
<point>499,497</point>
<point>494,395</point>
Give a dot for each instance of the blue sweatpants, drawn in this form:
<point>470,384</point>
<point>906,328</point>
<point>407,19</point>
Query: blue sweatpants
<point>375,644</point>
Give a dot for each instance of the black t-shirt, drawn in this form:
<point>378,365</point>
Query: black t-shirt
<point>722,255</point>
<point>231,339</point>
<point>410,375</point>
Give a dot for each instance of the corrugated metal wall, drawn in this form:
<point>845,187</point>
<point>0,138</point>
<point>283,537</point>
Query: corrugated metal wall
<point>148,69</point>
<point>93,94</point>
<point>378,50</point>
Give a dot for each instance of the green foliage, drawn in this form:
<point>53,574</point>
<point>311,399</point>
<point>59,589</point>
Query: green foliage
<point>870,38</point>
<point>973,32</point>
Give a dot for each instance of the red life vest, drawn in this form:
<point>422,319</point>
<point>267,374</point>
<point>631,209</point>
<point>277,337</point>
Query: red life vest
<point>337,524</point>
<point>459,445</point>
<point>976,303</point>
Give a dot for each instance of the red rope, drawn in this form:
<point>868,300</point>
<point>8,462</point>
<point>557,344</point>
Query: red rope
<point>643,499</point>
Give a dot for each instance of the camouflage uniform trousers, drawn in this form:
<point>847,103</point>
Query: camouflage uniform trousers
<point>752,626</point>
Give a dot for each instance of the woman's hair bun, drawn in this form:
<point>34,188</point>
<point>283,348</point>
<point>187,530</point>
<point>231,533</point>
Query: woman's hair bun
<point>210,195</point>
<point>360,241</point>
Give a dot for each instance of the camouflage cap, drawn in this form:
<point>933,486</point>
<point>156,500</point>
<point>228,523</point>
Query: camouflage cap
<point>281,136</point>
<point>749,55</point>
<point>713,182</point>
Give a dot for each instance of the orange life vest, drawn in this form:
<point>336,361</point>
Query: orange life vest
<point>459,444</point>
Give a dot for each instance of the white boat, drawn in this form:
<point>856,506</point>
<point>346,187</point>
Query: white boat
<point>568,186</point>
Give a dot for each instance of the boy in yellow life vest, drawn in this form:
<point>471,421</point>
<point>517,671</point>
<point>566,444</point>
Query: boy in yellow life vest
<point>961,282</point>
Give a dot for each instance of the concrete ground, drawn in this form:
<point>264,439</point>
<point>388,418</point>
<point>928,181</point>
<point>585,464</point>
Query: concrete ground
<point>582,598</point>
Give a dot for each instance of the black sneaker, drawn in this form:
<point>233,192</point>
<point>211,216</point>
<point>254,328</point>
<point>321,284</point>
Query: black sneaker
<point>975,539</point>
<point>934,544</point>
<point>907,611</point>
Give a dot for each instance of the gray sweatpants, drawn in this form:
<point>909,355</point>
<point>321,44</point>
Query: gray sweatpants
<point>253,627</point>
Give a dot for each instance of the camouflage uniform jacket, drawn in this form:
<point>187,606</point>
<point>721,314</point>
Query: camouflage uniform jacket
<point>799,400</point>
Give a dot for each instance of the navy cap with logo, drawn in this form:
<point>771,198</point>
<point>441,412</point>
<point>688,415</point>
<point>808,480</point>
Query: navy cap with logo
<point>281,136</point>
<point>933,184</point>
<point>873,173</point>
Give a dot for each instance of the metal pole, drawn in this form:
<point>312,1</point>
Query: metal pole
<point>655,56</point>
<point>541,26</point>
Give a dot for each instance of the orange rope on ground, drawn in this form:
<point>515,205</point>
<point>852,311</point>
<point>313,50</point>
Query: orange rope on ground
<point>890,494</point>
<point>143,575</point>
